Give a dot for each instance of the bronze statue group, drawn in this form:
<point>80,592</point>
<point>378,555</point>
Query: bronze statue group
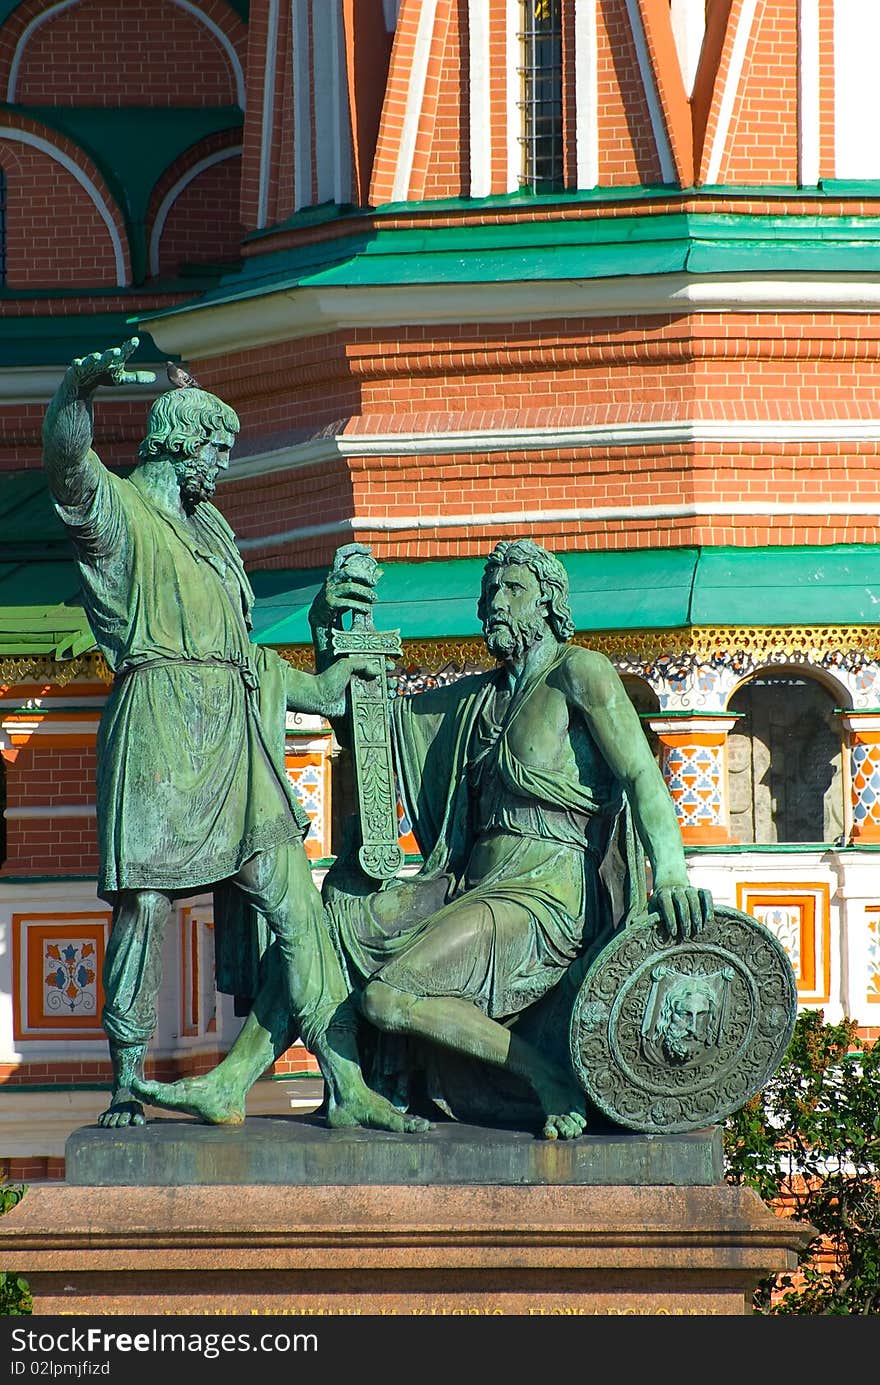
<point>523,783</point>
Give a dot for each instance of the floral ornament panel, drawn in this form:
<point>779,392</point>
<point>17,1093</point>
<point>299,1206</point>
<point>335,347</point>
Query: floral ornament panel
<point>57,965</point>
<point>799,915</point>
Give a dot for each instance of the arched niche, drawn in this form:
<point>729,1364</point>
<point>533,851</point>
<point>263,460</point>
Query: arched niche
<point>785,760</point>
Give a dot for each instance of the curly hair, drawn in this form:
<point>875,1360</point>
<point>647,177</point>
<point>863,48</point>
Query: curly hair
<point>552,578</point>
<point>181,420</point>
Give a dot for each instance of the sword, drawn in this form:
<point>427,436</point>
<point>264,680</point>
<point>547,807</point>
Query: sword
<point>380,854</point>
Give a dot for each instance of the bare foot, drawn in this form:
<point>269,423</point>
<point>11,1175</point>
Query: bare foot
<point>194,1096</point>
<point>564,1109</point>
<point>123,1110</point>
<point>372,1112</point>
<point>564,1126</point>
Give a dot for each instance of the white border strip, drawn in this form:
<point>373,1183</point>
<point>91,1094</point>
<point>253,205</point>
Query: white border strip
<point>441,444</point>
<point>324,74</point>
<point>809,127</point>
<point>225,43</point>
<point>172,195</point>
<point>24,39</point>
<point>725,112</point>
<point>302,106</point>
<point>658,123</point>
<point>293,313</point>
<point>514,116</point>
<point>586,93</point>
<point>414,97</point>
<point>342,136</point>
<point>36,142</point>
<point>597,514</point>
<point>24,384</point>
<point>52,810</point>
<point>479,98</point>
<point>268,110</point>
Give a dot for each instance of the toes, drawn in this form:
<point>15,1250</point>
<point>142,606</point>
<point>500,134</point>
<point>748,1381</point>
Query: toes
<point>564,1126</point>
<point>416,1125</point>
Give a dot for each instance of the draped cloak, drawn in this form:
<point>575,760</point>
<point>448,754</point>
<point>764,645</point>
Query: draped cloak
<point>435,735</point>
<point>561,823</point>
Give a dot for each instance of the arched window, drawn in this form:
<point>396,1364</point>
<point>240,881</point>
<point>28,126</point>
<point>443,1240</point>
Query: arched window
<point>785,762</point>
<point>541,94</point>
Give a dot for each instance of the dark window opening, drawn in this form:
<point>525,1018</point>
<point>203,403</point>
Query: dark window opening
<point>784,763</point>
<point>541,95</point>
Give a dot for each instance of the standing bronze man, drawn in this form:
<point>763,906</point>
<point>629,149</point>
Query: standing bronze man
<point>191,786</point>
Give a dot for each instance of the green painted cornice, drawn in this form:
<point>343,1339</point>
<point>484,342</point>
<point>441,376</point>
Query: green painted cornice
<point>577,249</point>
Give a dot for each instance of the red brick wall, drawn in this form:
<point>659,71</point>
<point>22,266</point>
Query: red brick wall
<point>441,162</point>
<point>727,368</point>
<point>762,142</point>
<point>50,845</point>
<point>202,224</point>
<point>56,236</point>
<point>627,147</point>
<point>119,424</point>
<point>101,53</point>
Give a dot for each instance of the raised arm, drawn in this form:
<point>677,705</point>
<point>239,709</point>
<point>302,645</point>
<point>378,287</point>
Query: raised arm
<point>68,428</point>
<point>594,686</point>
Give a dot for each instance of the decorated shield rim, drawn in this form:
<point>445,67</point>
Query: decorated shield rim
<point>651,923</point>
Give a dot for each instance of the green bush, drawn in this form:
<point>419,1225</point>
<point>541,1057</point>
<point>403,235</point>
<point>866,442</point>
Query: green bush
<point>15,1295</point>
<point>811,1139</point>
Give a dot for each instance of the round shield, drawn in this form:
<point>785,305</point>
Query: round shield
<point>670,1036</point>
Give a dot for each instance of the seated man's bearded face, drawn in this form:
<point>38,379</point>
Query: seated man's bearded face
<point>515,611</point>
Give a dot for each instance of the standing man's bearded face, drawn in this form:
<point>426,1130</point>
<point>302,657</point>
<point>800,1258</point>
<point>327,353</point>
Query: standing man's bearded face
<point>197,475</point>
<point>515,615</point>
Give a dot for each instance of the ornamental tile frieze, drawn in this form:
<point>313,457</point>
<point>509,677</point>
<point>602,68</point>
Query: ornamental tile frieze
<point>688,669</point>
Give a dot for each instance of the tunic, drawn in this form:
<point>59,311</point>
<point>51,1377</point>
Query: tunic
<point>190,779</point>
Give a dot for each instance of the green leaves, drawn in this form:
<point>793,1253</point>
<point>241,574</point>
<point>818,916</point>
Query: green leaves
<point>811,1140</point>
<point>16,1300</point>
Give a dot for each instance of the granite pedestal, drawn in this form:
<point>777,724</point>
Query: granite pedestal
<point>284,1216</point>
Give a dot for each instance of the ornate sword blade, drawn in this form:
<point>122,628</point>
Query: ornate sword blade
<point>380,854</point>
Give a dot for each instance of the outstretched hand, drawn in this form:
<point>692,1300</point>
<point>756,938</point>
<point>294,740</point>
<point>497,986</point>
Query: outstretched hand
<point>683,911</point>
<point>108,368</point>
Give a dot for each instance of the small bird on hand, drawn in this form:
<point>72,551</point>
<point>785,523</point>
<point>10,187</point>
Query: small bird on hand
<point>180,378</point>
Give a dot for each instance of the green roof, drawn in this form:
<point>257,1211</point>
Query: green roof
<point>649,589</point>
<point>435,599</point>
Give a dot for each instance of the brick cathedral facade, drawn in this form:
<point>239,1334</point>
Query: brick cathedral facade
<point>605,273</point>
